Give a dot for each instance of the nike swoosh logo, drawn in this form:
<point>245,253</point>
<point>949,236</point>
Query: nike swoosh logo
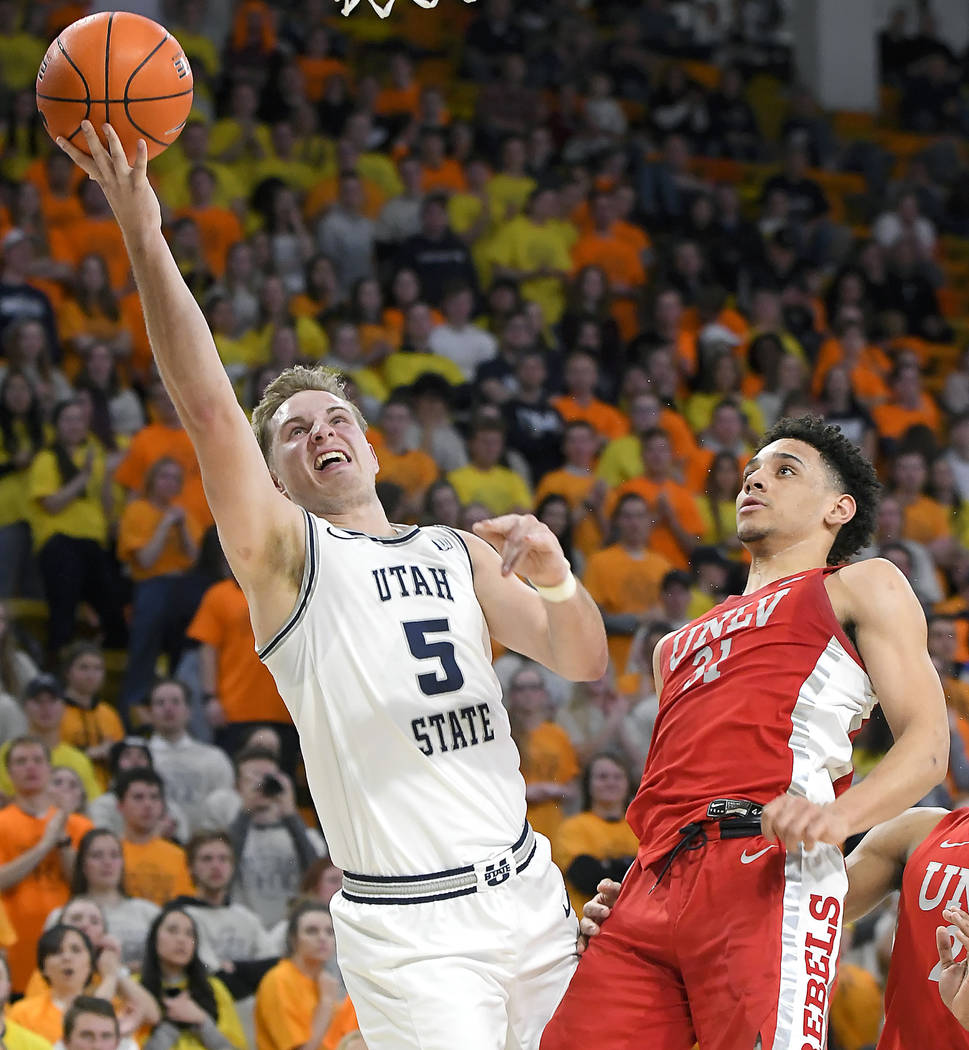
<point>567,906</point>
<point>744,859</point>
<point>949,845</point>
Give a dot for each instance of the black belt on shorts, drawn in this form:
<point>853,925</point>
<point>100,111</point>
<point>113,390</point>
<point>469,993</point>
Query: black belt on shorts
<point>442,885</point>
<point>738,818</point>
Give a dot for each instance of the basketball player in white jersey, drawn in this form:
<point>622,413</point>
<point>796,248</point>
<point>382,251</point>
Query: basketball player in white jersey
<point>453,927</point>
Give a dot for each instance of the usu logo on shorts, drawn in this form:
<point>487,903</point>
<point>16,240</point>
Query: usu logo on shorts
<point>496,874</point>
<point>495,870</point>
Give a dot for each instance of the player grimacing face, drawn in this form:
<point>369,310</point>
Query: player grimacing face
<point>788,497</point>
<point>321,458</point>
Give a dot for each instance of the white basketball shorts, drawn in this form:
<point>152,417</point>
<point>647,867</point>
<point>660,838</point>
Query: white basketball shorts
<point>483,971</point>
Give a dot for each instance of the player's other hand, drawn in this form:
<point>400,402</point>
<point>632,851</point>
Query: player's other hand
<point>126,187</point>
<point>795,821</point>
<point>596,911</point>
<point>527,546</point>
<point>954,981</point>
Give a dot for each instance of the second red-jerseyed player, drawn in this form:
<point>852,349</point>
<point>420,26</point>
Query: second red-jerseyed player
<point>936,877</point>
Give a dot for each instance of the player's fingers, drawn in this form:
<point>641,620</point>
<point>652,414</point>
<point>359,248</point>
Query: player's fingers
<point>516,544</point>
<point>944,945</point>
<point>588,928</point>
<point>773,818</point>
<point>82,160</point>
<point>116,150</point>
<point>608,891</point>
<point>595,912</point>
<point>99,154</point>
<point>500,526</point>
<point>959,920</point>
<point>141,159</point>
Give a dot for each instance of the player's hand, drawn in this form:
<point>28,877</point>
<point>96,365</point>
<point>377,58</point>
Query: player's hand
<point>954,981</point>
<point>126,187</point>
<point>795,821</point>
<point>596,911</point>
<point>527,546</point>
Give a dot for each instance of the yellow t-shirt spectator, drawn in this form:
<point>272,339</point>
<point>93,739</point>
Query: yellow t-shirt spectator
<point>83,518</point>
<point>16,1037</point>
<point>501,490</point>
<point>404,366</point>
<point>509,193</point>
<point>529,246</point>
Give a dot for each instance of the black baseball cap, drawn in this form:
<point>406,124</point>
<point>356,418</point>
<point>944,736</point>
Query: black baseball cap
<point>43,683</point>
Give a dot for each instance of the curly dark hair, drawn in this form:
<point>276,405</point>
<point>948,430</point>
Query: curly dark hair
<point>854,474</point>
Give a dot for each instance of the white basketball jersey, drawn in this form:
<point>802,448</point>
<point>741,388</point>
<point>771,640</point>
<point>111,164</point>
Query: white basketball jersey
<point>385,666</point>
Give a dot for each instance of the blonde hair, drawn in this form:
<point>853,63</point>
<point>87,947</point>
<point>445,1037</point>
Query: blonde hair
<point>289,382</point>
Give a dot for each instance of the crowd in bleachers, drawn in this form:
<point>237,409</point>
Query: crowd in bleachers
<point>573,259</point>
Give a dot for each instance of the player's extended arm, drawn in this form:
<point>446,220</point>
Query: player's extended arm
<point>891,637</point>
<point>568,636</point>
<point>875,864</point>
<point>253,517</point>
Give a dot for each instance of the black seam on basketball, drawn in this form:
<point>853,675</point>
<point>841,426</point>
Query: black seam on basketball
<point>134,73</point>
<point>117,101</point>
<point>87,89</point>
<point>107,66</point>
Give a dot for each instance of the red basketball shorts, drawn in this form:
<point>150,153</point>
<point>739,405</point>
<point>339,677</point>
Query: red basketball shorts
<point>737,942</point>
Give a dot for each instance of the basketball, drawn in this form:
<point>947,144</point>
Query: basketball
<point>116,68</point>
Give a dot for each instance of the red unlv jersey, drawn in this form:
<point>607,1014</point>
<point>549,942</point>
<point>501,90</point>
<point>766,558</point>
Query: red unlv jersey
<point>936,877</point>
<point>761,696</point>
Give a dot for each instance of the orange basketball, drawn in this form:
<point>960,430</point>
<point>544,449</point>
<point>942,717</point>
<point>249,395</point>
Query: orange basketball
<point>120,69</point>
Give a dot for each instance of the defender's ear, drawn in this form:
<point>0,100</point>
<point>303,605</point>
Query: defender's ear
<point>842,511</point>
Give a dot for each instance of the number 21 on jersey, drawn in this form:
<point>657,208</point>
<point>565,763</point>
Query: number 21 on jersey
<point>707,663</point>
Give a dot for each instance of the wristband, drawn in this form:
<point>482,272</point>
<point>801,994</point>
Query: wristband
<point>561,592</point>
<point>65,840</point>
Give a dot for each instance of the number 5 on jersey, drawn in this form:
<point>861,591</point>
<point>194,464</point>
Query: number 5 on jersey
<point>430,682</point>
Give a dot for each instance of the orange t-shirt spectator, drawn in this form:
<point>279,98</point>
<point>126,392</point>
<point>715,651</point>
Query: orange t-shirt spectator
<point>579,400</point>
<point>41,838</point>
<point>403,94</point>
<point>154,868</point>
<point>678,525</point>
<point>232,674</point>
<point>219,228</point>
<point>603,246</point>
<point>410,468</point>
<point>97,233</point>
<point>908,406</point>
<point>624,579</point>
<point>291,993</point>
<point>165,438</point>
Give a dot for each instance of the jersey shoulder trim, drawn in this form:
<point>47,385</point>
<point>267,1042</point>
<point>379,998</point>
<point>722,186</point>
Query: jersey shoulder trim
<point>310,573</point>
<point>457,535</point>
<point>406,536</point>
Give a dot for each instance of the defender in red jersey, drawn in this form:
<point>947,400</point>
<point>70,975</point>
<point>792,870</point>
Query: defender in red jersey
<point>925,854</point>
<point>728,926</point>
